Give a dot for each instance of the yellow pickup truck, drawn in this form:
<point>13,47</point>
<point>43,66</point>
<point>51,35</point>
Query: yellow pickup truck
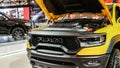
<point>83,34</point>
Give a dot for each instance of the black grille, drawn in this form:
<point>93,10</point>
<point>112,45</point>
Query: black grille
<point>68,42</point>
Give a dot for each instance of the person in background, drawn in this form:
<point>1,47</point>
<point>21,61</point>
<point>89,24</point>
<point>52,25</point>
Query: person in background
<point>39,15</point>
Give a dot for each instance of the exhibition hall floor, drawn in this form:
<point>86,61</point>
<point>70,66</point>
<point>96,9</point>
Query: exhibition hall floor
<point>14,55</point>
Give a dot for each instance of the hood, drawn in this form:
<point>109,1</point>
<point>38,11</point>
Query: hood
<point>54,9</point>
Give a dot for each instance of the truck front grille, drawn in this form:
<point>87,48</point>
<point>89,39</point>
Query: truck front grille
<point>58,44</point>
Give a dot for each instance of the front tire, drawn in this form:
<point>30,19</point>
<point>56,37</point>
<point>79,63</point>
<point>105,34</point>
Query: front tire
<point>114,61</point>
<point>18,33</point>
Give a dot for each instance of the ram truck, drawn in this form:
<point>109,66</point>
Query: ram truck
<point>83,34</point>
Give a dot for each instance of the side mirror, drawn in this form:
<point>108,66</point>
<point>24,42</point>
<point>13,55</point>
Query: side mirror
<point>118,20</point>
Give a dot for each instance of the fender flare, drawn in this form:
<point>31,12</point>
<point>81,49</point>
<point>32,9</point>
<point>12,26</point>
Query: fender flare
<point>113,41</point>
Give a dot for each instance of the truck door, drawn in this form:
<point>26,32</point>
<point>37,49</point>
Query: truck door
<point>3,24</point>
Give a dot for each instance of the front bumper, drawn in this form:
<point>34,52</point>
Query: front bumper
<point>40,60</point>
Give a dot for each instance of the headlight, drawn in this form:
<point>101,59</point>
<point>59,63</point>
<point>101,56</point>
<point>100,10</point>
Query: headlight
<point>28,24</point>
<point>94,40</point>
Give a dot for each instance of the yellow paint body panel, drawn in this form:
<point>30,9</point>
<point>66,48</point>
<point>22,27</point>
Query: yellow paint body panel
<point>110,30</point>
<point>28,45</point>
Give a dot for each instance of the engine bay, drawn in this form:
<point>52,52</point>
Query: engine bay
<point>84,21</point>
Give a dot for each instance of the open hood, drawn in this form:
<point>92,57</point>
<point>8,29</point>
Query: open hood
<point>54,9</point>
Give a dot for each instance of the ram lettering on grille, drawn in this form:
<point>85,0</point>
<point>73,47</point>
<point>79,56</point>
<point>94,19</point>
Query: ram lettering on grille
<point>50,40</point>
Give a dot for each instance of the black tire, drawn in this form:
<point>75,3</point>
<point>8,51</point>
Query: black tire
<point>18,33</point>
<point>114,61</point>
